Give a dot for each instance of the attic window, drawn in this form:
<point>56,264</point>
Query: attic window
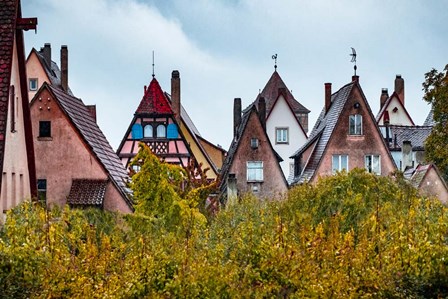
<point>161,131</point>
<point>395,109</point>
<point>33,84</point>
<point>45,128</point>
<point>355,124</point>
<point>147,132</point>
<point>254,143</point>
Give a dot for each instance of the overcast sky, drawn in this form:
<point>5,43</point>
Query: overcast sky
<point>223,50</point>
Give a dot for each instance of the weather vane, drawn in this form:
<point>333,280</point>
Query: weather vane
<point>275,59</point>
<point>153,75</point>
<point>353,55</point>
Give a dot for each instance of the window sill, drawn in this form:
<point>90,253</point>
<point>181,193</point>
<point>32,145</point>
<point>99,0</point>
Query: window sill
<point>355,137</point>
<point>286,143</point>
<point>255,181</point>
<point>45,138</point>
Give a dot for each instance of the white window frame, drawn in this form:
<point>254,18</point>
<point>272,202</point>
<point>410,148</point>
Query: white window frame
<point>282,135</point>
<point>369,168</point>
<point>339,165</point>
<point>31,85</point>
<point>254,171</point>
<point>356,128</point>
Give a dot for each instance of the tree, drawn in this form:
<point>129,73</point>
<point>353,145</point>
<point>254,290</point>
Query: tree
<point>436,93</point>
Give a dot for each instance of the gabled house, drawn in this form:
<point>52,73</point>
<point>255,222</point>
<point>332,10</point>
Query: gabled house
<point>286,121</point>
<point>75,163</point>
<point>40,68</point>
<point>428,180</point>
<point>17,168</point>
<point>392,108</point>
<point>251,165</point>
<point>345,136</point>
<point>162,123</point>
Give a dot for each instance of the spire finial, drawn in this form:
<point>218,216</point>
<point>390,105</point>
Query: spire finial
<point>353,55</point>
<point>153,75</point>
<point>275,60</point>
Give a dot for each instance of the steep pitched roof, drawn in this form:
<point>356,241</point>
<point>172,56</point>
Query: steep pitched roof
<point>91,134</point>
<point>234,147</point>
<point>322,131</point>
<point>429,121</point>
<point>417,174</point>
<point>154,100</point>
<point>415,134</point>
<point>53,72</point>
<point>270,94</point>
<point>387,104</point>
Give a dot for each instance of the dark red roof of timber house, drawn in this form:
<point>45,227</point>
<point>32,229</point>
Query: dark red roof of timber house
<point>154,101</point>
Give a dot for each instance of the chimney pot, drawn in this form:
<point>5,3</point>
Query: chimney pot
<point>236,115</point>
<point>46,53</point>
<point>64,68</point>
<point>399,88</point>
<point>175,95</point>
<point>355,78</point>
<point>384,96</point>
<point>327,96</point>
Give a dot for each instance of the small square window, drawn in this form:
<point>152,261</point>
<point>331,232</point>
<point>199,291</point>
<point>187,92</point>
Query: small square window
<point>339,162</point>
<point>281,135</point>
<point>45,129</point>
<point>355,126</point>
<point>373,164</point>
<point>255,171</point>
<point>33,84</point>
<point>254,143</point>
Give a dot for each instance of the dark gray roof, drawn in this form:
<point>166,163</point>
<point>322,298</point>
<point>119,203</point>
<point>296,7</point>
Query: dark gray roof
<point>415,134</point>
<point>322,132</point>
<point>86,192</point>
<point>429,121</point>
<point>88,129</point>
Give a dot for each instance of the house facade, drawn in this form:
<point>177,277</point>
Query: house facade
<point>17,168</point>
<point>345,136</point>
<point>251,165</point>
<point>428,180</point>
<point>74,161</point>
<point>286,121</point>
<point>162,123</point>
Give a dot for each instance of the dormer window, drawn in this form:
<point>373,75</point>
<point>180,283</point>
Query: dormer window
<point>355,124</point>
<point>161,131</point>
<point>254,143</point>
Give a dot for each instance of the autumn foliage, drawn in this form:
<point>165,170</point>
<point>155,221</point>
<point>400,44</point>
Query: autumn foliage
<point>350,235</point>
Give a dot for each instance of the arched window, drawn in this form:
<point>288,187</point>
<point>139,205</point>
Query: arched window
<point>137,131</point>
<point>171,132</point>
<point>147,131</point>
<point>161,131</point>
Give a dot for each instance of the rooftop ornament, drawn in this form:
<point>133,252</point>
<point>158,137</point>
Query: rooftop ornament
<point>353,55</point>
<point>275,59</point>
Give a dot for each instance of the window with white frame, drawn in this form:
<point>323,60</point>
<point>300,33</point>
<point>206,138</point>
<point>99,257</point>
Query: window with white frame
<point>373,164</point>
<point>161,131</point>
<point>339,163</point>
<point>33,84</point>
<point>147,131</point>
<point>355,124</point>
<point>281,135</point>
<point>255,171</point>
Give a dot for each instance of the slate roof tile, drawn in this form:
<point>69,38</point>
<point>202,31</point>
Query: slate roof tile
<point>417,135</point>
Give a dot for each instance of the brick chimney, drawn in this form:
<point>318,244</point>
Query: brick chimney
<point>262,112</point>
<point>64,68</point>
<point>46,53</point>
<point>384,97</point>
<point>406,151</point>
<point>399,88</point>
<point>327,96</point>
<point>175,95</point>
<point>236,115</point>
<point>355,78</point>
<point>92,111</point>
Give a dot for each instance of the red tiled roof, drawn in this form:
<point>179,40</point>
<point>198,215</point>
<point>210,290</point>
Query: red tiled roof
<point>86,192</point>
<point>270,94</point>
<point>154,100</point>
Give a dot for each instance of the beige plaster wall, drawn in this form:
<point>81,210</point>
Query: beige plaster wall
<point>434,187</point>
<point>113,200</point>
<point>34,69</point>
<point>15,176</point>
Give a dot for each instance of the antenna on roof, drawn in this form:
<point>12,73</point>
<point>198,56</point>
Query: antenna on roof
<point>275,59</point>
<point>353,55</point>
<point>153,75</point>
